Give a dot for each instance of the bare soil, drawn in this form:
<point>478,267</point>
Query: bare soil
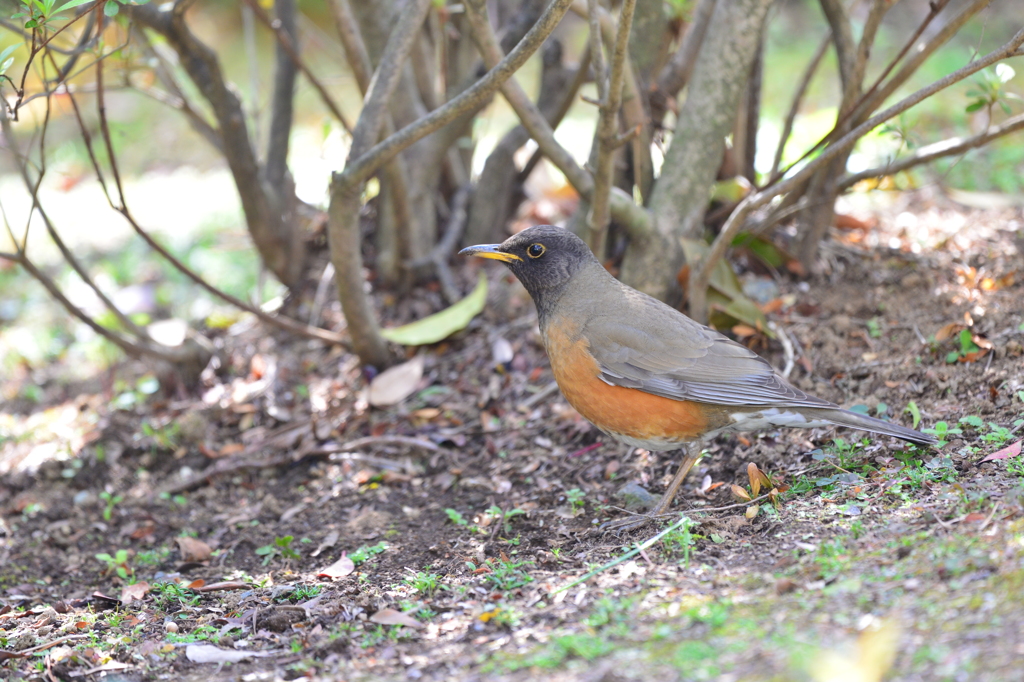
<point>878,560</point>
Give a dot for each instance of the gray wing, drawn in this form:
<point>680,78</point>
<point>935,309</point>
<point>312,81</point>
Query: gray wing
<point>661,351</point>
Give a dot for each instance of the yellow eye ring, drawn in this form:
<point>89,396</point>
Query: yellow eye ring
<point>536,250</point>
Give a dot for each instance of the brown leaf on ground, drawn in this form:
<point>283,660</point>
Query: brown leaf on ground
<point>739,493</point>
<point>339,569</point>
<point>193,550</point>
<point>130,593</point>
<point>1009,451</point>
<point>393,617</point>
<point>394,385</point>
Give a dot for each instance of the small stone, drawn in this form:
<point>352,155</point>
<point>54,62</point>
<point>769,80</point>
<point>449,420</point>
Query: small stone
<point>634,497</point>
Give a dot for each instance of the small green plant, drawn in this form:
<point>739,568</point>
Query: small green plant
<point>915,413</point>
<point>456,518</point>
<point>832,558</point>
<point>506,574</point>
<point>302,593</point>
<point>282,547</point>
<point>424,583</point>
<point>874,328</point>
<point>968,349</point>
<point>365,552</point>
<point>171,594</point>
<point>506,516</point>
<point>117,564</point>
<point>989,90</point>
<point>111,502</point>
<point>575,499</point>
<point>681,539</point>
<point>942,431</point>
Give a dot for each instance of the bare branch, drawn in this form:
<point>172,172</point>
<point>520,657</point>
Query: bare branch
<point>699,275</point>
<point>936,150</point>
<point>872,100</point>
<point>568,100</point>
<point>867,37</point>
<point>343,212</point>
<point>287,41</point>
<point>846,49</point>
<point>438,257</point>
<point>794,107</point>
<point>607,126</point>
<point>176,96</point>
<point>280,246</point>
<point>352,40</point>
<point>360,169</point>
<point>676,74</point>
<point>33,189</point>
<point>282,101</point>
<point>525,109</point>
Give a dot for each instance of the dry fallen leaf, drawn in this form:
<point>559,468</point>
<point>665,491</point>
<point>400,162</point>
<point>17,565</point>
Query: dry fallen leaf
<point>192,549</point>
<point>1009,451</point>
<point>207,653</point>
<point>739,493</point>
<point>130,593</point>
<point>394,385</point>
<point>393,617</point>
<point>339,569</point>
<point>752,511</point>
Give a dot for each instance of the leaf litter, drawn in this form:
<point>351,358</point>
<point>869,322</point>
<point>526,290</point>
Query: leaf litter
<point>650,605</point>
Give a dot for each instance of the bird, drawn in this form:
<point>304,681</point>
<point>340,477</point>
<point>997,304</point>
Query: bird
<point>646,374</point>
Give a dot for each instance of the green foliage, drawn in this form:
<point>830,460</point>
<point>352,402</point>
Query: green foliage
<point>423,582</point>
<point>455,517</point>
<point>681,540</point>
<point>365,552</point>
<point>117,564</point>
<point>967,347</point>
<point>168,594</point>
<point>282,547</point>
<point>111,502</point>
<point>505,574</point>
<point>989,90</point>
<point>942,431</point>
<point>575,498</point>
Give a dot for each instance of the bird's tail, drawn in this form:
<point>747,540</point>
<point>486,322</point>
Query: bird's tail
<point>855,420</point>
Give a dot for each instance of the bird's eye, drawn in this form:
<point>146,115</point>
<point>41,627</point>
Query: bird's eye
<point>535,250</point>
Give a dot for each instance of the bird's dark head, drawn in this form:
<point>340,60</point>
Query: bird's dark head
<point>544,258</point>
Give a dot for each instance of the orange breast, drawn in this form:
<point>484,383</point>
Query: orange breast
<point>617,410</point>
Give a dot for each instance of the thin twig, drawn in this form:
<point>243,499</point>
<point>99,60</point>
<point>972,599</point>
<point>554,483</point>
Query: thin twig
<point>699,275</point>
<point>676,74</point>
<point>288,46</point>
<point>936,150</point>
<point>607,126</point>
<point>794,107</point>
<point>361,168</point>
<point>578,80</point>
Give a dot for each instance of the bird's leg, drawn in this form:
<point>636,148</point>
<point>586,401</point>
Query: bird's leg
<point>692,454</point>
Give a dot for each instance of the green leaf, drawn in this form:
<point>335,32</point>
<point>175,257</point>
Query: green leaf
<point>974,106</point>
<point>952,357</point>
<point>915,413</point>
<point>1005,107</point>
<point>110,9</point>
<point>6,65</point>
<point>75,3</point>
<point>439,326</point>
<point>762,248</point>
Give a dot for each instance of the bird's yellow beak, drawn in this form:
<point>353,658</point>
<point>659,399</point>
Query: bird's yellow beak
<point>492,251</point>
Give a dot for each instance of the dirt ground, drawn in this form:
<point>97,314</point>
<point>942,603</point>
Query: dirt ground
<point>271,526</point>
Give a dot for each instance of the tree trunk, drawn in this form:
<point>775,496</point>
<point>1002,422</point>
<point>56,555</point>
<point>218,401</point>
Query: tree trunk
<point>680,197</point>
